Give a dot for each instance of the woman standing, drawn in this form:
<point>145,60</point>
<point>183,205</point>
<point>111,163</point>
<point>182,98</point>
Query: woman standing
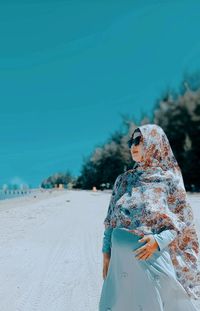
<point>150,244</point>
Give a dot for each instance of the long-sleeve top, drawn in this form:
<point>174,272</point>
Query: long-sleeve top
<point>163,239</point>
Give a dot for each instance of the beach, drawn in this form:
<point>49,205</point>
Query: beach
<point>51,258</point>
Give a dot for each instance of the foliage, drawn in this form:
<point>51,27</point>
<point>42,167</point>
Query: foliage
<point>179,116</point>
<point>109,160</point>
<point>177,112</point>
<point>56,179</point>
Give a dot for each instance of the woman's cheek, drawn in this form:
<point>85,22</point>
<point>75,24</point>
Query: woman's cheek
<point>142,153</point>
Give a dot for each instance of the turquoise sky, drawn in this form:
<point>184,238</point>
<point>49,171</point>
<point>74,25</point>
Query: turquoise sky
<point>69,69</point>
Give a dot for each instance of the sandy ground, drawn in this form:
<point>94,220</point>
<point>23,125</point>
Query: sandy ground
<point>50,250</point>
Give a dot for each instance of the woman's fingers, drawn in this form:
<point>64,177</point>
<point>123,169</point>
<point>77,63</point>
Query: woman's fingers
<point>146,250</point>
<point>144,257</point>
<point>105,270</point>
<point>104,273</point>
<point>143,252</point>
<point>140,250</point>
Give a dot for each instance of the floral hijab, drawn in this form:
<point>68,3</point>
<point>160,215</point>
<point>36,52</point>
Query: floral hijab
<point>151,197</point>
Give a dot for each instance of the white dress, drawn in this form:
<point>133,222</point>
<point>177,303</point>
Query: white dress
<point>137,285</point>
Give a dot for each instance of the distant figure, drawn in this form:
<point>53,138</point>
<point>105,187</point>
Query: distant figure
<point>150,244</point>
<point>94,188</point>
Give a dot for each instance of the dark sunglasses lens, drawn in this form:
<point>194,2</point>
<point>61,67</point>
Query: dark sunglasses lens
<point>130,141</point>
<point>134,141</point>
<point>137,140</point>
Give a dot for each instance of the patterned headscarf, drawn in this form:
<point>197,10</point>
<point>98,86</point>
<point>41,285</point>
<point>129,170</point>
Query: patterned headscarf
<point>152,198</point>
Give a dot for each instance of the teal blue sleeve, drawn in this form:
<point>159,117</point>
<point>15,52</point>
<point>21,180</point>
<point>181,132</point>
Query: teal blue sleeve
<point>164,238</point>
<point>106,248</point>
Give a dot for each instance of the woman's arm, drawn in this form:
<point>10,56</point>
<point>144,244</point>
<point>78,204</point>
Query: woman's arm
<point>178,214</point>
<point>164,238</point>
<point>106,247</point>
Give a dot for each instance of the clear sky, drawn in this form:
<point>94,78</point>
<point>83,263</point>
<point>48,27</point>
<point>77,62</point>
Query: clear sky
<point>69,69</point>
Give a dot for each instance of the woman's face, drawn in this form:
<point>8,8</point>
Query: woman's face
<point>137,151</point>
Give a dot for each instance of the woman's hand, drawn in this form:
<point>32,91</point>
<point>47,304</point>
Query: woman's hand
<point>106,261</point>
<point>147,250</point>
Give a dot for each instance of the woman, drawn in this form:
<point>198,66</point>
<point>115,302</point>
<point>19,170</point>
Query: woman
<point>150,244</point>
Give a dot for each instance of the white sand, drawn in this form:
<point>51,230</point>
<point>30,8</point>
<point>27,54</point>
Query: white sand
<point>50,256</point>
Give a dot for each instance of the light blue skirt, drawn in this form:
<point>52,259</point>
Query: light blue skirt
<point>141,285</point>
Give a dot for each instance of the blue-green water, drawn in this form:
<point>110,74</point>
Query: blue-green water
<point>10,194</point>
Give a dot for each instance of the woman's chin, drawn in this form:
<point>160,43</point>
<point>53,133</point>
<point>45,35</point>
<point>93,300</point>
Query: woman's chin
<point>135,159</point>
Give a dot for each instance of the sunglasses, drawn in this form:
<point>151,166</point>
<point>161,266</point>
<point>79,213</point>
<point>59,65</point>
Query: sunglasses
<point>134,141</point>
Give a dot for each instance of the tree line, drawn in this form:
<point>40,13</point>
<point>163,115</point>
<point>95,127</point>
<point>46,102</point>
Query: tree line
<point>177,112</point>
